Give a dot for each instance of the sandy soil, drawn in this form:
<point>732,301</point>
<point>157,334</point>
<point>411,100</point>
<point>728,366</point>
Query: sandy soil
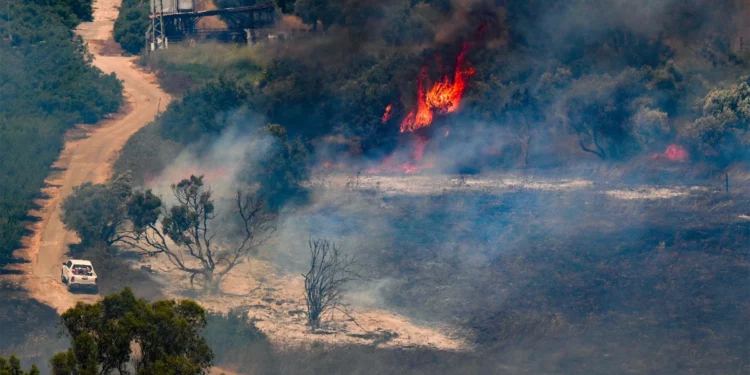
<point>276,304</point>
<point>87,158</point>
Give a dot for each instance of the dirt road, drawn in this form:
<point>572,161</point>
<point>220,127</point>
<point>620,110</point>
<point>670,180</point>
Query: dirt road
<point>87,159</point>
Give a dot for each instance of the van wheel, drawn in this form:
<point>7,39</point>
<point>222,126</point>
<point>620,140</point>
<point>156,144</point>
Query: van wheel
<point>62,278</point>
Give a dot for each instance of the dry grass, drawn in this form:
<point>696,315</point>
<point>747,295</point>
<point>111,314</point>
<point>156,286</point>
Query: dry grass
<point>182,66</point>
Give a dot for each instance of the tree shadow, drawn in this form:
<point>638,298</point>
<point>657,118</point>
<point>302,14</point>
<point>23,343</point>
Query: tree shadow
<point>5,272</point>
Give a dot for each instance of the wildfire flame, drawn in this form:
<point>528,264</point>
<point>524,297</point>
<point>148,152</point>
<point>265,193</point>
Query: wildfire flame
<point>442,98</point>
<point>387,114</point>
<point>391,165</point>
<point>672,153</point>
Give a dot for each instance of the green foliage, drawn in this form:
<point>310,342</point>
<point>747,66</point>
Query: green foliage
<point>183,66</point>
<point>405,27</point>
<point>96,212</point>
<point>203,112</point>
<point>724,126</point>
<point>281,172</point>
<point>70,12</point>
<point>40,98</point>
<point>197,205</point>
<point>614,86</point>
<point>188,229</point>
<point>144,209</point>
<point>166,333</point>
<point>599,114</point>
<point>12,366</point>
<point>146,154</point>
<point>131,25</point>
<point>236,340</point>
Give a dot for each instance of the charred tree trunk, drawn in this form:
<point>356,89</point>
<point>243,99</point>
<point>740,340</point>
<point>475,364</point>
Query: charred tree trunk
<point>599,150</point>
<point>324,282</point>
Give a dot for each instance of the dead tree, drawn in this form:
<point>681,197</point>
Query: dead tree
<point>185,234</point>
<point>329,272</point>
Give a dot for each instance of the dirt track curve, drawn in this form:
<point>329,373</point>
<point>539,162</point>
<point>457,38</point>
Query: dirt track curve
<point>87,159</point>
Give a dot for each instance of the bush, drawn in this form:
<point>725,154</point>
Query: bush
<point>724,126</point>
<point>131,25</point>
<point>41,98</point>
<point>146,154</point>
<point>237,341</point>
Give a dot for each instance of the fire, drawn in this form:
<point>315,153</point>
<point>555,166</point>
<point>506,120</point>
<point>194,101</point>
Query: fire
<point>414,166</point>
<point>442,98</point>
<point>388,113</point>
<point>433,99</point>
<point>422,115</point>
<point>673,153</point>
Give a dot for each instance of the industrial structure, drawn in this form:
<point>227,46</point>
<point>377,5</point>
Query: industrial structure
<point>178,19</point>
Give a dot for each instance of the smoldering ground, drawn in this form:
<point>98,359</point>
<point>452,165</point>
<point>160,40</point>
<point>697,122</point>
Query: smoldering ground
<point>547,274</point>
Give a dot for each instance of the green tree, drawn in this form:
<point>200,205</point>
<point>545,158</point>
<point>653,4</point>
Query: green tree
<point>186,234</point>
<point>71,12</point>
<point>281,172</point>
<point>204,112</point>
<point>724,125</point>
<point>97,212</point>
<point>599,111</point>
<point>162,337</point>
<point>131,25</point>
<point>12,366</point>
<point>40,98</point>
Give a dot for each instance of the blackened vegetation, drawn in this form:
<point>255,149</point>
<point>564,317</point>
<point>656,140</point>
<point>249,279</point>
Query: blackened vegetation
<point>325,281</point>
<point>644,286</point>
<point>29,327</point>
<point>40,98</point>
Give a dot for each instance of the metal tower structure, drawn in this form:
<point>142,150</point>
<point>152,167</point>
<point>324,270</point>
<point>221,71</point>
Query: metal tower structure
<point>158,36</point>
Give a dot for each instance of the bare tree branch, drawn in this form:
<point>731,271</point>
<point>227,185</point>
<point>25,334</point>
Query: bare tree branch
<point>324,282</point>
<point>186,230</point>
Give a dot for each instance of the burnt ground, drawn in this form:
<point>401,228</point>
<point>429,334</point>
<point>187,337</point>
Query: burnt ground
<point>592,278</point>
<point>28,328</point>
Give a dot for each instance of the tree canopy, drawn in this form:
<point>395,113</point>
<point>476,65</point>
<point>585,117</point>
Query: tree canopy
<point>40,98</point>
<point>97,212</point>
<point>162,337</point>
<point>12,366</point>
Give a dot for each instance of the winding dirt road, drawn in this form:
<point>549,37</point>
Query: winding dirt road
<point>87,159</point>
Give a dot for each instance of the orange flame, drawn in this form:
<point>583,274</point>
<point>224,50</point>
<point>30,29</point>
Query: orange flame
<point>443,97</point>
<point>387,114</point>
<point>415,166</point>
<point>673,152</point>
